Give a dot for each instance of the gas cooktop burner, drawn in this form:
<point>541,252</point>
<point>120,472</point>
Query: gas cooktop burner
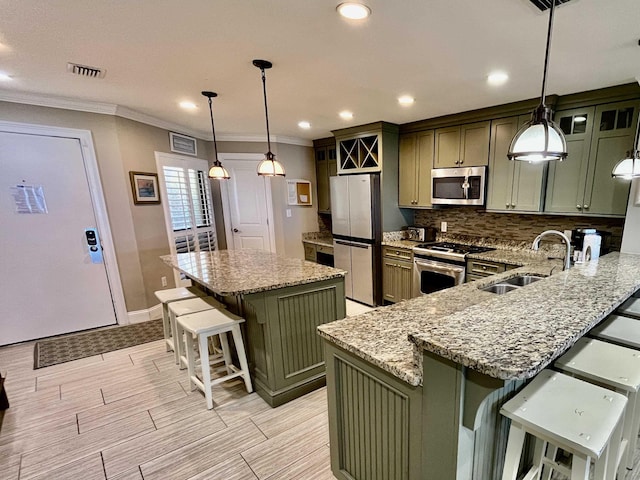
<point>455,250</point>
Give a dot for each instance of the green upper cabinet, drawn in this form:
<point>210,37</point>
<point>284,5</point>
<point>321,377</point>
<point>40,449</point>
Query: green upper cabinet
<point>326,166</point>
<point>512,186</point>
<point>597,138</point>
<point>462,145</point>
<point>415,163</point>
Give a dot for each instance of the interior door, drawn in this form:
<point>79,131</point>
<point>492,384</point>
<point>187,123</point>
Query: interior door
<point>51,286</point>
<point>248,212</point>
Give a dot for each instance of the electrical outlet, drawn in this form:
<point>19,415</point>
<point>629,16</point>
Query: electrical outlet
<point>163,280</point>
<point>443,227</point>
<point>288,213</point>
<point>568,234</point>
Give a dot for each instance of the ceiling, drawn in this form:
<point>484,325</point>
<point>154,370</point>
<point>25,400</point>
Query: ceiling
<point>158,53</point>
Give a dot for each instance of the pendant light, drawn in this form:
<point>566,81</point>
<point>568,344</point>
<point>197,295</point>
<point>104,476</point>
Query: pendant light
<point>540,139</point>
<point>216,171</point>
<point>269,167</point>
<point>629,168</point>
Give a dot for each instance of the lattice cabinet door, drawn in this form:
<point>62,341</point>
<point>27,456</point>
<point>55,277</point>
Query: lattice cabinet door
<point>360,154</point>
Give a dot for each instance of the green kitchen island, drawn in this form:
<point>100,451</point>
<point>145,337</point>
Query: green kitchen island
<point>415,389</point>
<point>283,301</point>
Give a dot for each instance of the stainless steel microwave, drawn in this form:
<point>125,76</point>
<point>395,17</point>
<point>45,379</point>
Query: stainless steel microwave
<point>458,186</point>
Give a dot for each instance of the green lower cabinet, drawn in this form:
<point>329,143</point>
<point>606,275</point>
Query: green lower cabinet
<point>286,358</point>
<point>374,421</point>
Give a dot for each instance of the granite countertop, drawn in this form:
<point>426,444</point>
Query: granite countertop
<point>238,272</point>
<point>511,257</point>
<point>508,336</point>
<point>326,241</point>
<point>400,243</point>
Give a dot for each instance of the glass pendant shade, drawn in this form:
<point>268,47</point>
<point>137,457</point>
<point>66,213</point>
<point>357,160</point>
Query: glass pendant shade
<point>270,167</point>
<point>628,168</point>
<point>218,172</point>
<point>540,140</point>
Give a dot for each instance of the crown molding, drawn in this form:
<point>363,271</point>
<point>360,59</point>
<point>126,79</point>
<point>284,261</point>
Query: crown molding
<point>124,112</point>
<point>57,102</point>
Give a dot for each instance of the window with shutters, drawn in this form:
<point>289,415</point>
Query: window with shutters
<point>187,203</point>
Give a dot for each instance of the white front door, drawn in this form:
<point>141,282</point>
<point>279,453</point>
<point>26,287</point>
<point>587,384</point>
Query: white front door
<point>49,285</point>
<point>247,206</point>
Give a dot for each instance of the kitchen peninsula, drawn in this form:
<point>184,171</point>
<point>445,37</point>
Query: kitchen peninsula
<point>415,388</point>
<point>283,301</point>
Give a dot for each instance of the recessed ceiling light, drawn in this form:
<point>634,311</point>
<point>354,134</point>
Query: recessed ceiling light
<point>497,78</point>
<point>353,10</point>
<point>406,100</point>
<point>4,77</point>
<point>305,125</point>
<point>580,119</point>
<point>188,105</point>
<point>346,115</point>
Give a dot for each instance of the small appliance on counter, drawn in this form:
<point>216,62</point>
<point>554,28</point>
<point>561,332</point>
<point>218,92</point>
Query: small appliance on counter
<point>421,234</point>
<point>586,244</point>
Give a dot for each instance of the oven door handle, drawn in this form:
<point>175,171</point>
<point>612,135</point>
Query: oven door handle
<point>439,267</point>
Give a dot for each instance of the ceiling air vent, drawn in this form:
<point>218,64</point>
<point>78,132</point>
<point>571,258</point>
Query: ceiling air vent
<point>85,71</point>
<point>543,5</point>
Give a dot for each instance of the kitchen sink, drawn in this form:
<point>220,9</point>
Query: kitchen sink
<point>499,288</point>
<point>522,280</point>
<point>514,283</point>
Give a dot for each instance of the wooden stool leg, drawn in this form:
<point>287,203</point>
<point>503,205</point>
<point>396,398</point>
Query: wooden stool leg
<point>632,435</point>
<point>226,353</point>
<point>580,467</point>
<point>176,339</point>
<point>613,450</point>
<point>166,327</point>
<point>552,453</point>
<point>204,367</point>
<point>242,356</point>
<point>191,361</point>
<point>515,442</point>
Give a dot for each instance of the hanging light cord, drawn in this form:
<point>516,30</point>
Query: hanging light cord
<point>266,112</point>
<point>546,55</point>
<point>213,129</point>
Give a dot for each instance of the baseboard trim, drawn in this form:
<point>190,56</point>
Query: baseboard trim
<point>139,316</point>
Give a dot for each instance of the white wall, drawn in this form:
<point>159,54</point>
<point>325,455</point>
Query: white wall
<point>631,234</point>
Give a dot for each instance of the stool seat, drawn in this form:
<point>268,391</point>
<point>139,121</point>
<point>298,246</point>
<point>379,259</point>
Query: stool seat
<point>575,415</point>
<point>187,307</point>
<point>215,320</point>
<point>180,293</point>
<point>173,295</point>
<point>618,329</point>
<point>562,412</point>
<point>630,308</point>
<point>203,325</point>
<point>603,362</point>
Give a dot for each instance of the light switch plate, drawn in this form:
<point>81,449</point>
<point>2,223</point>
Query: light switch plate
<point>288,212</point>
<point>443,227</point>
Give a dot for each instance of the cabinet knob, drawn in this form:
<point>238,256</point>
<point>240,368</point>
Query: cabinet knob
<point>507,205</point>
<point>513,205</point>
<point>457,162</point>
<point>579,207</point>
<point>461,162</point>
<point>484,268</point>
<point>586,207</point>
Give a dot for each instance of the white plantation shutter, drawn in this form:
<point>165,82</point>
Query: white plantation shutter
<point>187,203</point>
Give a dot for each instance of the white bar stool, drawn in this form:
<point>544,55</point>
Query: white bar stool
<point>618,329</point>
<point>173,295</point>
<point>615,367</point>
<point>630,308</point>
<point>204,325</point>
<point>563,412</point>
<point>186,307</point>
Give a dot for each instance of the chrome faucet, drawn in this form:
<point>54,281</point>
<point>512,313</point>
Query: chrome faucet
<point>565,239</point>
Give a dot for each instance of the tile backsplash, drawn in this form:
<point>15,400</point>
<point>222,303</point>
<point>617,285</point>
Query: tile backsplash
<point>512,226</point>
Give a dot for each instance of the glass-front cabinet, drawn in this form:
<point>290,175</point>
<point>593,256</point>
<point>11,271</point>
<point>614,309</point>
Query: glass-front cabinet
<point>597,138</point>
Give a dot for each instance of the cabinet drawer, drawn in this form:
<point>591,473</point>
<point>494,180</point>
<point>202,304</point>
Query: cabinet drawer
<point>484,268</point>
<point>310,252</point>
<point>471,277</point>
<point>398,253</point>
<point>324,249</point>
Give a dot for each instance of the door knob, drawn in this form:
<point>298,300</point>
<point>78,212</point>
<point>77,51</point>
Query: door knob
<point>236,230</point>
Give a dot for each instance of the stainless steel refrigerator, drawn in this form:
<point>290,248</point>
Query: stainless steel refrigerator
<point>356,234</point>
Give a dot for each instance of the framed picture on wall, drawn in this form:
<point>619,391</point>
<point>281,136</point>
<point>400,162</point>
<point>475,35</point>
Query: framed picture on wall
<point>145,188</point>
<point>183,144</point>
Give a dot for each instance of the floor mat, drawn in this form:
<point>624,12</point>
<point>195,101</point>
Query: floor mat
<point>80,345</point>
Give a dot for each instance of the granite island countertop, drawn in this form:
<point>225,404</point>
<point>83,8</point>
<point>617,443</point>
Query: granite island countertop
<point>238,272</point>
<point>505,336</point>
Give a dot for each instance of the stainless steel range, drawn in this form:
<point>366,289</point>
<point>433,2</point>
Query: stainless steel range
<point>440,265</point>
